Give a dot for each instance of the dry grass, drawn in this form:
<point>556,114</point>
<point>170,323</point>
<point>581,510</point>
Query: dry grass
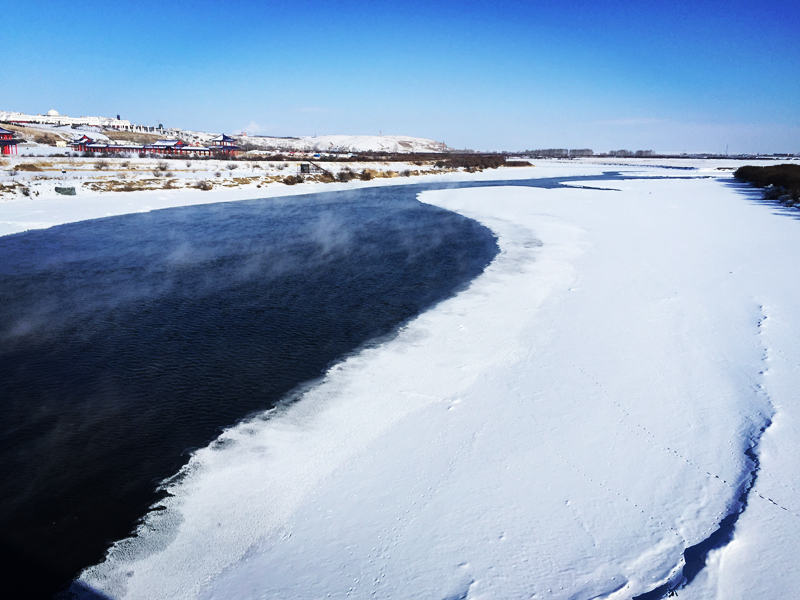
<point>239,181</point>
<point>9,188</point>
<point>12,188</point>
<point>23,131</point>
<point>132,137</point>
<point>48,139</point>
<point>115,185</point>
<point>28,167</point>
<point>368,174</point>
<point>40,137</point>
<point>16,128</point>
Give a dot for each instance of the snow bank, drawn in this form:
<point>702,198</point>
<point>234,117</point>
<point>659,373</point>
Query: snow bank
<point>48,208</point>
<point>564,428</point>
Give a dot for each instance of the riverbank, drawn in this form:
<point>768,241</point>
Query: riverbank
<point>567,426</point>
<point>43,207</point>
<point>782,182</point>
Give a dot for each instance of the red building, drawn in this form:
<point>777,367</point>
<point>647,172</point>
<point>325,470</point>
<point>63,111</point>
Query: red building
<point>7,142</point>
<point>81,143</point>
<point>220,145</point>
<point>166,147</point>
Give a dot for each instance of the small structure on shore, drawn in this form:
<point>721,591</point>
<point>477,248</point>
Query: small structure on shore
<point>8,144</point>
<point>310,168</point>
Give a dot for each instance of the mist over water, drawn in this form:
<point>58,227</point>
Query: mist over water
<point>126,342</point>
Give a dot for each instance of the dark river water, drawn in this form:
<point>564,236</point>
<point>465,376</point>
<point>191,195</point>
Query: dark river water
<point>127,342</point>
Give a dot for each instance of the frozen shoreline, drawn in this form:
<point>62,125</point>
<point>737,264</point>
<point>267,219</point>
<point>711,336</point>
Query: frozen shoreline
<point>575,420</point>
<point>18,214</point>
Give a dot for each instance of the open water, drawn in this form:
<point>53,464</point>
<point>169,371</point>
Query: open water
<point>127,342</point>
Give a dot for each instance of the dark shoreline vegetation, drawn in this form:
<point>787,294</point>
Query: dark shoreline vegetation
<point>781,182</point>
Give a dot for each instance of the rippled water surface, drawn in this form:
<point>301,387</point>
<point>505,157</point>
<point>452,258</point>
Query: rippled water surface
<point>126,342</point>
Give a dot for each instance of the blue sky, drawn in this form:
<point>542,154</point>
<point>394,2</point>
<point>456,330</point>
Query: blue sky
<point>670,76</point>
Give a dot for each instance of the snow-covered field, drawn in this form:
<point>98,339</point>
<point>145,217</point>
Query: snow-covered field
<point>596,402</point>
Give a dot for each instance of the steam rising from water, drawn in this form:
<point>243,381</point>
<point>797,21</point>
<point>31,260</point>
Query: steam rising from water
<point>126,343</point>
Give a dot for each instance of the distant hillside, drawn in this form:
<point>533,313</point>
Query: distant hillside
<point>350,143</point>
<point>131,137</point>
<point>330,143</point>
<point>52,127</point>
<point>40,134</point>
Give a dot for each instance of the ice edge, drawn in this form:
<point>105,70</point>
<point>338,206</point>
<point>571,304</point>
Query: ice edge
<point>694,557</point>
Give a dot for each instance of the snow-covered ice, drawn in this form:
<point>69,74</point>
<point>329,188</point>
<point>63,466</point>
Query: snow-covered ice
<point>564,428</point>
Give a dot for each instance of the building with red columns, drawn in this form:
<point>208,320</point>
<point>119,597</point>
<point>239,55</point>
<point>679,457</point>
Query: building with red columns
<point>221,144</point>
<point>8,145</point>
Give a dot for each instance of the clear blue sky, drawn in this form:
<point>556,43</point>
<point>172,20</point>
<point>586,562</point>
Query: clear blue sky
<point>668,75</point>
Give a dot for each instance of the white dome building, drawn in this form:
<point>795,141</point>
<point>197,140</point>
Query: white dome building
<point>53,113</point>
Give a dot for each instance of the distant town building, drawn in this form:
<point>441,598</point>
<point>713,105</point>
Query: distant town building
<point>561,153</point>
<point>552,153</point>
<point>54,118</point>
<point>168,146</point>
<point>8,145</point>
<point>628,153</point>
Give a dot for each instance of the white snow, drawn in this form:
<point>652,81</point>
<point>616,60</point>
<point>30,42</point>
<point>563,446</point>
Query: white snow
<point>336,143</point>
<point>353,143</point>
<point>564,428</point>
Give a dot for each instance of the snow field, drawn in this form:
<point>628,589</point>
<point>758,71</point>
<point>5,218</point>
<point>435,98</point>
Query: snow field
<point>564,428</point>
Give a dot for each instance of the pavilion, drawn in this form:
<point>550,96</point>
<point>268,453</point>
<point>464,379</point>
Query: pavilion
<point>8,144</point>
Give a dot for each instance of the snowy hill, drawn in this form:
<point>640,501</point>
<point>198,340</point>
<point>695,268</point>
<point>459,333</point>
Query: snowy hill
<point>328,143</point>
<point>66,127</point>
<point>351,143</point>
